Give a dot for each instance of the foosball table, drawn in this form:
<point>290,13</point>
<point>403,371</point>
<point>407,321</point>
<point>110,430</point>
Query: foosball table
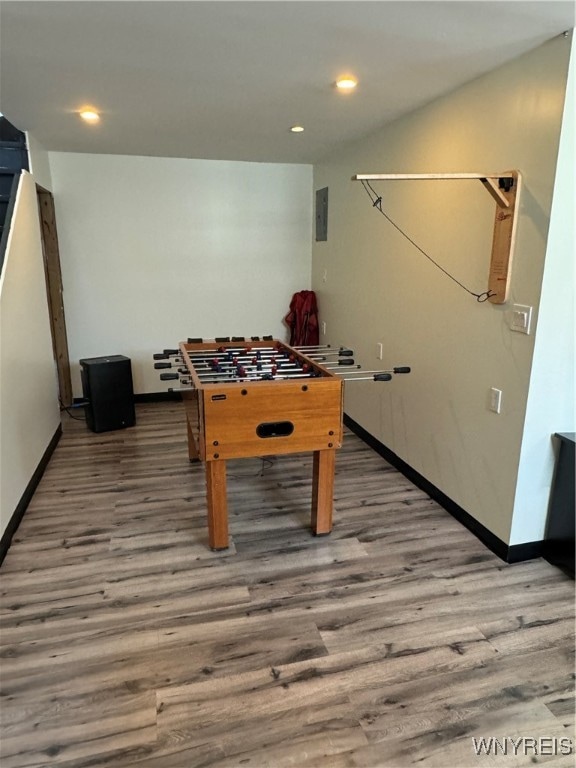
<point>259,398</point>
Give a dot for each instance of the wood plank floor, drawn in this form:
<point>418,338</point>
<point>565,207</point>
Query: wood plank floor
<point>395,641</point>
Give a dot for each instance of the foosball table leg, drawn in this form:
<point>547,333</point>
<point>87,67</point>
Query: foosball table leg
<point>217,504</point>
<point>323,491</point>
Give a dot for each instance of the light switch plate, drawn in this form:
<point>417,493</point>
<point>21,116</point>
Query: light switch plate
<point>521,318</point>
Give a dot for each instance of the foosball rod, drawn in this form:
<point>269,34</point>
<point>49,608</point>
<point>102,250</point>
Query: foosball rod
<point>246,341</point>
<point>314,346</point>
<point>244,358</point>
<point>229,379</point>
<point>347,361</point>
<point>241,352</point>
<point>382,376</point>
<point>323,354</point>
<point>167,353</point>
<point>375,377</point>
<point>221,357</point>
<point>267,354</point>
<point>233,350</point>
<point>243,343</point>
<point>204,376</point>
<point>214,351</point>
<point>258,376</point>
<point>229,339</point>
<point>397,370</point>
<point>287,372</point>
<point>264,353</point>
<point>224,350</point>
<point>320,349</point>
<point>232,373</point>
<point>230,367</point>
<point>252,362</point>
<point>235,374</point>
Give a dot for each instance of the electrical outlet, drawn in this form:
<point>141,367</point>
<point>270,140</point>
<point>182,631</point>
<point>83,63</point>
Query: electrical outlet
<point>495,400</point>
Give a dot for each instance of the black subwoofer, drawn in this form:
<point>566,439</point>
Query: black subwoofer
<point>107,386</point>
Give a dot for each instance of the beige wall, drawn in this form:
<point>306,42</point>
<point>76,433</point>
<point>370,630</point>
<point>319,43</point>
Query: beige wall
<point>379,289</point>
<point>154,250</point>
<point>29,412</point>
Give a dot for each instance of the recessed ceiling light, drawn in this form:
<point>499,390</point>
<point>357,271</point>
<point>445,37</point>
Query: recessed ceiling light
<point>90,116</point>
<point>347,83</point>
<point>297,128</point>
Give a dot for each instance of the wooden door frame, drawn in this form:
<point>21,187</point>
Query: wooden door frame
<point>54,291</point>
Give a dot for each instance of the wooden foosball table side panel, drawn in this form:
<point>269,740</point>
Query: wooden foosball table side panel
<point>271,418</point>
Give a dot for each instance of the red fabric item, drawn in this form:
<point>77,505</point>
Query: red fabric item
<point>302,319</point>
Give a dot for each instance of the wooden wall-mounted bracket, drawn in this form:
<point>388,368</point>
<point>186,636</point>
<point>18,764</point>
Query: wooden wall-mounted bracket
<point>504,189</point>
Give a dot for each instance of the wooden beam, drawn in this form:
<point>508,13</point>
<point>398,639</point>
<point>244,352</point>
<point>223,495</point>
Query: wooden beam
<point>496,192</point>
<point>503,241</point>
<point>430,176</point>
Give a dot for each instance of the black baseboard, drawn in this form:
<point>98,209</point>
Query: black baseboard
<point>517,553</point>
<point>18,514</point>
<point>510,554</point>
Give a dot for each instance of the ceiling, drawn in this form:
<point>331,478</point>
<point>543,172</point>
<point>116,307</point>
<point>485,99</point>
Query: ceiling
<point>226,80</point>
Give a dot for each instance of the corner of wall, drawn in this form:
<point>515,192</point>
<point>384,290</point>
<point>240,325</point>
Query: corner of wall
<point>39,162</point>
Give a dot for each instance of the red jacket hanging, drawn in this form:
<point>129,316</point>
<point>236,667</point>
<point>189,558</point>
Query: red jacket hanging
<point>303,319</point>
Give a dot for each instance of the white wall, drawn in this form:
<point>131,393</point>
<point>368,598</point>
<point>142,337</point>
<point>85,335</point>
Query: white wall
<point>552,396</point>
<point>378,288</point>
<point>29,413</point>
<point>154,250</point>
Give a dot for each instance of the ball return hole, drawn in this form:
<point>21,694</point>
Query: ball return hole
<point>275,429</point>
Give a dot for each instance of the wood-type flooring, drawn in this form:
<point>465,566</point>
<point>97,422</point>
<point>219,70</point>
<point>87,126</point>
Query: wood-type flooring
<point>398,640</point>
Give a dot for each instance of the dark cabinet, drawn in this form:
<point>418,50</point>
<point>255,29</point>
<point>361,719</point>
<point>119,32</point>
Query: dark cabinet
<point>559,542</point>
